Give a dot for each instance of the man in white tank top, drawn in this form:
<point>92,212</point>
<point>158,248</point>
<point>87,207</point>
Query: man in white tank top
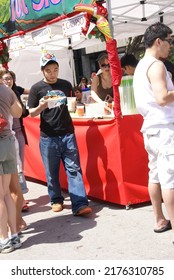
<point>154,96</point>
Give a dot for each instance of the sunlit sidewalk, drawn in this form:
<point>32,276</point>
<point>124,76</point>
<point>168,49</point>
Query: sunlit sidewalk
<point>111,232</point>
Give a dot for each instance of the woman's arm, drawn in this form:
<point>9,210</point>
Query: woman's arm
<point>94,93</point>
<point>43,104</point>
<point>26,91</point>
<point>16,108</point>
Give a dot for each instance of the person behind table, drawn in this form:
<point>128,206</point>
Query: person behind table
<point>154,96</point>
<point>101,87</point>
<point>83,83</point>
<point>57,140</point>
<point>9,105</point>
<point>128,64</point>
<point>78,94</point>
<point>81,96</point>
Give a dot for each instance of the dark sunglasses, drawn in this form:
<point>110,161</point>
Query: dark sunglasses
<point>105,65</point>
<point>170,41</point>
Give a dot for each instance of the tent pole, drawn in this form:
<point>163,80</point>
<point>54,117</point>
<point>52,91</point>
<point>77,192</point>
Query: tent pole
<point>108,6</point>
<point>71,61</point>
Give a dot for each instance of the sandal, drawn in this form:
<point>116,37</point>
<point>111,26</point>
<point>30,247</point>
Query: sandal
<point>168,226</point>
<point>22,229</point>
<point>25,208</point>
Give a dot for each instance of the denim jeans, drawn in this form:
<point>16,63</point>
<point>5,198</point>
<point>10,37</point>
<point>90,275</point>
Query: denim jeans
<point>53,150</point>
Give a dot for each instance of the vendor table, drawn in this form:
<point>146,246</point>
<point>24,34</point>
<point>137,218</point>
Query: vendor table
<point>113,160</point>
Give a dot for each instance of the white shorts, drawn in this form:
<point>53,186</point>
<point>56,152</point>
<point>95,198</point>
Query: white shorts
<point>159,144</point>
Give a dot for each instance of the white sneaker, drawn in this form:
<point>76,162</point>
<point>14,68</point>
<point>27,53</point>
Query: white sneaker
<point>16,242</point>
<point>7,247</point>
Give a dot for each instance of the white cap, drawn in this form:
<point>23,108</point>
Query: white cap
<point>47,57</point>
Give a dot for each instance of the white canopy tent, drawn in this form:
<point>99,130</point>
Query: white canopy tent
<point>132,17</point>
<point>128,18</point>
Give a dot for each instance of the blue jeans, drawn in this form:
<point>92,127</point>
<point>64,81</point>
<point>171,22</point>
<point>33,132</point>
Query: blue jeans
<point>53,150</point>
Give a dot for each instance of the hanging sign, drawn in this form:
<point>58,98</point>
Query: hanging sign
<point>25,15</point>
<point>41,36</point>
<point>16,43</point>
<point>73,25</point>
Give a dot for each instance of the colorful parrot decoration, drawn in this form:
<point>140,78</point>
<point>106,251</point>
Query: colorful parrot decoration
<point>98,14</point>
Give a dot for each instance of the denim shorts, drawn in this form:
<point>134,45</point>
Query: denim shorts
<point>159,143</point>
<point>8,164</point>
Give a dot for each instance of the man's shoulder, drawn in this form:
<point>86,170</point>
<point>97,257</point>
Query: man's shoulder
<point>37,84</point>
<point>145,62</point>
<point>63,81</point>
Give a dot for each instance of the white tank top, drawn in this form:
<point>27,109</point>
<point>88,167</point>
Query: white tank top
<point>146,104</point>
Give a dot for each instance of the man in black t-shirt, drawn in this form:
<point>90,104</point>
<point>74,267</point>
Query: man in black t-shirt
<point>48,98</point>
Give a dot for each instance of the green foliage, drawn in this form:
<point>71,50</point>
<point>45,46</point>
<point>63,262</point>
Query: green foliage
<point>135,46</point>
<point>96,34</point>
<point>171,56</point>
<point>4,11</point>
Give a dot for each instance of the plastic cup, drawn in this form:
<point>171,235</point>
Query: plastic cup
<point>109,110</point>
<point>80,110</point>
<point>71,102</point>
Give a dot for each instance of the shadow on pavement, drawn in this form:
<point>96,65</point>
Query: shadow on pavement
<point>62,228</point>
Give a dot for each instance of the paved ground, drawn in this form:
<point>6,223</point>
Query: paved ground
<point>109,233</point>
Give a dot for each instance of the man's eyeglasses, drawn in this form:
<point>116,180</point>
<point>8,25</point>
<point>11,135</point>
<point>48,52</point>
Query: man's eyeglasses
<point>105,65</point>
<point>170,41</point>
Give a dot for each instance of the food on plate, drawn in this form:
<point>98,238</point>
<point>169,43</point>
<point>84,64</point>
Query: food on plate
<point>52,97</point>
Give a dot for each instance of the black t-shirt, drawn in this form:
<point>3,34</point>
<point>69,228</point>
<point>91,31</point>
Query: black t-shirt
<point>55,121</point>
<point>20,90</point>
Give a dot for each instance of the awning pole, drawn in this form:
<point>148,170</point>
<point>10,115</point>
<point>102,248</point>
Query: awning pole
<point>108,6</point>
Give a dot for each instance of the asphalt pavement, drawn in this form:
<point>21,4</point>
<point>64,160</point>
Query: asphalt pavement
<point>110,233</point>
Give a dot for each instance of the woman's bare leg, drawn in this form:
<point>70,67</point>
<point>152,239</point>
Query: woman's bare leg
<point>17,195</point>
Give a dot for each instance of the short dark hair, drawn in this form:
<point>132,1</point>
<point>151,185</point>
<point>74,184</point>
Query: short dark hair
<point>154,31</point>
<point>49,63</point>
<point>77,88</point>
<point>128,59</point>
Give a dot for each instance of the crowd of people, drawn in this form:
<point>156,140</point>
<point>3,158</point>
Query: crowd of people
<point>154,96</point>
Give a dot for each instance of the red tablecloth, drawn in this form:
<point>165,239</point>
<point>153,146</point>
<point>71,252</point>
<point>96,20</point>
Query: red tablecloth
<point>113,159</point>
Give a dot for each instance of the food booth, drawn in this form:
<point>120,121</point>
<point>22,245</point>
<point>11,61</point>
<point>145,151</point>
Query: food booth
<point>112,155</point>
<point>113,159</point>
